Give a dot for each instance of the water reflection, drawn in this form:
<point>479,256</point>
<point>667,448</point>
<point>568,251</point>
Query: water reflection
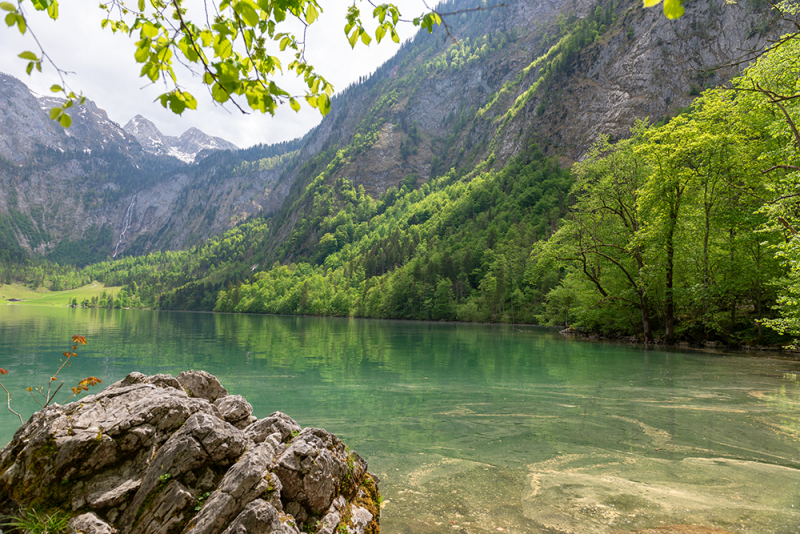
<point>475,427</point>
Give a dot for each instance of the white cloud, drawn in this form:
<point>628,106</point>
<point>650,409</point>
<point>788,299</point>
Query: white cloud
<point>103,68</point>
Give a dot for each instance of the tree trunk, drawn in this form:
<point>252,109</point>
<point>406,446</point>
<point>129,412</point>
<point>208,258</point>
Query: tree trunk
<point>669,297</point>
<point>648,332</point>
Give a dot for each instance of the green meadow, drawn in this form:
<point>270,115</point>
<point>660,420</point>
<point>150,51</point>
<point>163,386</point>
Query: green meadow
<point>44,297</point>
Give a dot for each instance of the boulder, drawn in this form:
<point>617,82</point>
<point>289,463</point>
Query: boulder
<point>163,454</point>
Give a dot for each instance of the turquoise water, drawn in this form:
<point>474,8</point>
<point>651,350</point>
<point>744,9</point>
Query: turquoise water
<point>475,428</point>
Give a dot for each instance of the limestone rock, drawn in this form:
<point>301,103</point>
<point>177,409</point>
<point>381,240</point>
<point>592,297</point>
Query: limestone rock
<point>236,410</point>
<point>89,524</point>
<point>277,422</point>
<point>202,384</point>
<point>164,455</point>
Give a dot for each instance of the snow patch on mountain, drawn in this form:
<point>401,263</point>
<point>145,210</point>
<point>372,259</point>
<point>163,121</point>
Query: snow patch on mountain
<point>186,147</point>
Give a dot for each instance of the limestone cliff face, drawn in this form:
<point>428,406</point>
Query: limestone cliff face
<point>647,68</point>
<point>641,66</point>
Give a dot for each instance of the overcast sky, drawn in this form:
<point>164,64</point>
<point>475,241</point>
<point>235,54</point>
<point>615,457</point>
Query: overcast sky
<point>103,68</point>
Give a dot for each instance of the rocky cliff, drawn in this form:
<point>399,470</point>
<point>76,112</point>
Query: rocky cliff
<point>165,455</point>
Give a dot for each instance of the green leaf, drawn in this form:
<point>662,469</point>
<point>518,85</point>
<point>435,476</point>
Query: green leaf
<point>150,70</point>
<point>353,38</point>
<point>65,120</point>
<point>324,103</point>
<point>41,5</point>
<point>651,3</point>
<point>11,19</point>
<point>30,56</point>
<point>149,30</point>
<point>380,13</point>
<point>248,13</point>
<point>365,38</point>
<point>52,11</point>
<point>29,68</point>
<point>673,9</point>
<point>311,14</point>
<point>5,6</point>
<point>176,104</point>
<point>295,104</point>
<point>379,33</point>
<point>55,88</point>
<point>143,52</point>
<point>219,94</point>
<point>223,48</point>
<point>141,5</point>
<point>206,36</point>
<point>55,113</point>
<point>191,101</point>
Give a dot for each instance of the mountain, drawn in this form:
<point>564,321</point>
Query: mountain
<point>25,125</point>
<point>186,147</point>
<point>474,95</point>
<point>95,188</point>
<point>559,74</point>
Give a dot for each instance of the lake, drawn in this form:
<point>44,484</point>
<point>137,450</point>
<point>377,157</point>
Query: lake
<point>475,428</point>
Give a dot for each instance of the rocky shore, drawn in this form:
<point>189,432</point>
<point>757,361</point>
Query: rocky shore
<point>163,454</point>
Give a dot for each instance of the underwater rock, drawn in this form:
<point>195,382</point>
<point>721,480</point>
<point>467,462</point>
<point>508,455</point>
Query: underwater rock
<point>158,455</point>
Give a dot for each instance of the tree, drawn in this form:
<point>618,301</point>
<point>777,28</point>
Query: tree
<point>599,238</point>
<point>236,51</point>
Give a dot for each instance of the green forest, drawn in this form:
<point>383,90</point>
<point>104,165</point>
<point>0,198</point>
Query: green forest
<point>683,232</point>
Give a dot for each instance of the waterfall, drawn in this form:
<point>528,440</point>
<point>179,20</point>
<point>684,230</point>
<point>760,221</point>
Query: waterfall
<point>126,222</point>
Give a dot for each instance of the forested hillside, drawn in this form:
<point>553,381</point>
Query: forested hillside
<point>411,202</point>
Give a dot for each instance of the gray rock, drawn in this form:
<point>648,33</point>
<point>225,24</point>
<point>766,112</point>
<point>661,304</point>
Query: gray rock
<point>276,422</point>
<point>160,455</point>
<point>89,524</point>
<point>235,409</point>
<point>260,517</point>
<point>315,468</point>
<point>202,384</point>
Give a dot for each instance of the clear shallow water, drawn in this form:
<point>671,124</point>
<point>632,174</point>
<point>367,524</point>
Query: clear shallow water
<point>476,428</point>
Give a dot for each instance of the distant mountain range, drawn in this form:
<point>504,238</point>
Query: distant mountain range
<point>187,147</point>
<point>26,124</point>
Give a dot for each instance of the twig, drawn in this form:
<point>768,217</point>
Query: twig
<point>8,402</point>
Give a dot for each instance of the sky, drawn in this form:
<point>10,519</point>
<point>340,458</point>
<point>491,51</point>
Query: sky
<point>102,67</point>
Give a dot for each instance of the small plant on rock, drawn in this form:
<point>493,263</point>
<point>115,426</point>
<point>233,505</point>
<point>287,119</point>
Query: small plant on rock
<point>30,521</point>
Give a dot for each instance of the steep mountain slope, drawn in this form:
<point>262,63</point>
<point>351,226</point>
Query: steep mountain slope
<point>24,125</point>
<point>556,73</point>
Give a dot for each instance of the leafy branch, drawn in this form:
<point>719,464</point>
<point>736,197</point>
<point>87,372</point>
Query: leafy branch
<point>44,398</point>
